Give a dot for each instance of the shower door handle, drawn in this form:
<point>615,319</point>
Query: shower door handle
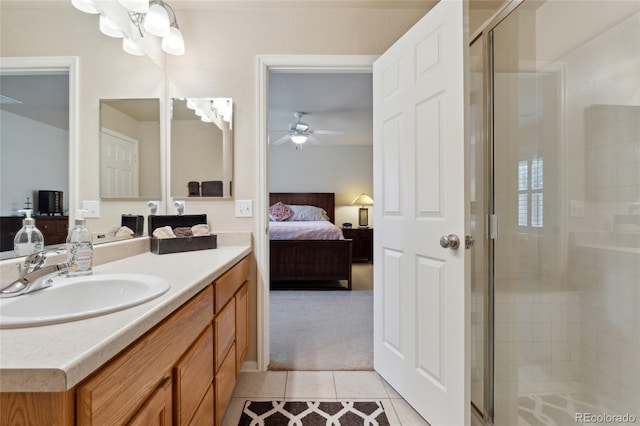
<point>450,241</point>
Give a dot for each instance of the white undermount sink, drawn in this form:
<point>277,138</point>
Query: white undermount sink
<point>70,299</point>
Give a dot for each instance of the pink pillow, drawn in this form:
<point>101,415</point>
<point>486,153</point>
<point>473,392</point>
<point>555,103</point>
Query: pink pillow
<point>279,212</point>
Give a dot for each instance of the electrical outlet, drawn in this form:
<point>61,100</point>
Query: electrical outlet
<point>92,209</point>
<point>244,208</point>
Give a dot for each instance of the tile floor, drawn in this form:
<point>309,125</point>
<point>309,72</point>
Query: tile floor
<point>320,386</point>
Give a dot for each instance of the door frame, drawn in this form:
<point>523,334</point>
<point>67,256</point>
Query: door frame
<point>34,65</point>
<point>265,65</point>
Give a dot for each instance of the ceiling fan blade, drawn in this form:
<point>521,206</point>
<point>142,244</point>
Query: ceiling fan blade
<point>280,140</point>
<point>327,132</point>
<point>313,140</point>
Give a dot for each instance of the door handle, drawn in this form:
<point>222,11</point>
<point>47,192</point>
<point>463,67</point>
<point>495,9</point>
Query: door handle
<point>450,241</point>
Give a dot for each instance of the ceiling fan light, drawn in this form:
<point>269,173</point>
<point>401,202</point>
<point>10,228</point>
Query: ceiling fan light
<point>108,28</point>
<point>138,6</point>
<point>173,43</point>
<point>156,21</point>
<point>299,139</point>
<point>85,6</point>
<point>131,47</point>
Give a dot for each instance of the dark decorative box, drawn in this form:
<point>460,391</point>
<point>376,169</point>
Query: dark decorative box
<point>179,244</point>
<point>133,222</point>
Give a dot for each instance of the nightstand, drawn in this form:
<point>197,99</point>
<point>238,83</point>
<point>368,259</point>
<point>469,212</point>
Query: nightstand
<point>362,243</point>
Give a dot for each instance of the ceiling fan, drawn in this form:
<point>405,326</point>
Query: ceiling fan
<point>300,132</point>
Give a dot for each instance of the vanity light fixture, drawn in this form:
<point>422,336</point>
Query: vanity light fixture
<point>108,28</point>
<point>209,108</point>
<point>86,6</point>
<point>153,17</point>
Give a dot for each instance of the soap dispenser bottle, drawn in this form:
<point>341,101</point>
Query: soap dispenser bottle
<point>80,248</point>
<point>29,239</point>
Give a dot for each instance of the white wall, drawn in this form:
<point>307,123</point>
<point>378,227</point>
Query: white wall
<point>196,150</point>
<point>345,170</point>
<point>37,169</point>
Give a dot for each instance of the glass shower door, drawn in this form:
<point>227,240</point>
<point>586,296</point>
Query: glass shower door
<point>566,135</point>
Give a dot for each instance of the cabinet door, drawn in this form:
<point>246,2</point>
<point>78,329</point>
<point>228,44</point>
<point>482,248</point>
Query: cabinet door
<point>224,384</point>
<point>156,411</point>
<point>242,325</point>
<point>224,326</point>
<point>193,376</point>
<point>112,394</point>
<point>205,413</point>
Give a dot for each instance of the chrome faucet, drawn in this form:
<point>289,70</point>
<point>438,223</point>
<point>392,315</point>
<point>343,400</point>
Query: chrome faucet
<point>34,275</point>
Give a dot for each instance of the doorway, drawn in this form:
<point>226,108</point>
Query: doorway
<point>313,326</point>
<point>267,65</point>
<point>50,115</point>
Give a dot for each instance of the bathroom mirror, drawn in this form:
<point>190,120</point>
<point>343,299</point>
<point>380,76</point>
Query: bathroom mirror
<point>201,148</point>
<point>130,149</point>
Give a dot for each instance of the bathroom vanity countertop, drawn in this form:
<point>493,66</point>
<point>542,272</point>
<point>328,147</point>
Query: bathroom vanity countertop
<point>54,358</point>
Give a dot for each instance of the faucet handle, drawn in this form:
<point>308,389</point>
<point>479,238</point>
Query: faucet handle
<point>37,260</point>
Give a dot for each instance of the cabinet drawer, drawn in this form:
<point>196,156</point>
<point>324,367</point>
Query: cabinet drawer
<point>224,326</point>
<point>192,377</point>
<point>242,325</point>
<point>117,390</point>
<point>224,384</point>
<point>229,282</point>
<point>204,415</point>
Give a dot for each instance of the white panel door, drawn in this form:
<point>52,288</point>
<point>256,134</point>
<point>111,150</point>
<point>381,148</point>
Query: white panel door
<point>420,292</point>
<point>118,165</point>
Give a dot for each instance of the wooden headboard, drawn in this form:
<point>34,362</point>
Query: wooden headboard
<point>324,200</point>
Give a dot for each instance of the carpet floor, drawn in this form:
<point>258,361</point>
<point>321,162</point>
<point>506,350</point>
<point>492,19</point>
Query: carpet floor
<point>312,413</point>
<point>324,330</point>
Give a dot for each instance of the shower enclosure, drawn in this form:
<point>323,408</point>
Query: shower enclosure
<point>555,148</point>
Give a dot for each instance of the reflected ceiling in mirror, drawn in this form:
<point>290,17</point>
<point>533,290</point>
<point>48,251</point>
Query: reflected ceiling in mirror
<point>201,148</point>
<point>130,149</point>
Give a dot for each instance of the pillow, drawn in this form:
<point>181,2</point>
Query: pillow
<point>307,213</point>
<point>279,212</point>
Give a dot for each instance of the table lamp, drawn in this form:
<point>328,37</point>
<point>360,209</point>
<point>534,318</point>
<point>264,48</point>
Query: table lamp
<point>363,217</point>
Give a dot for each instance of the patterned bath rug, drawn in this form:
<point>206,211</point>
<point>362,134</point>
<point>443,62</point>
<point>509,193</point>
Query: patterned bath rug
<point>313,413</point>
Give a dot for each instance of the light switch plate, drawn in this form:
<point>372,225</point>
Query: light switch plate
<point>244,208</point>
<point>92,209</point>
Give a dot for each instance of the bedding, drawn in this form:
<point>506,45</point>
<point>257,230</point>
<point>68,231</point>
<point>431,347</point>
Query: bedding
<point>304,230</point>
<point>306,260</point>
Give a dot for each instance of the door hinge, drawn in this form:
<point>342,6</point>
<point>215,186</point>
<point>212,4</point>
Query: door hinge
<point>492,226</point>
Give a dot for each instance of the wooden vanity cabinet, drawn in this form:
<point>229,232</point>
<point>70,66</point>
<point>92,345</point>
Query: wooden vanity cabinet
<point>181,372</point>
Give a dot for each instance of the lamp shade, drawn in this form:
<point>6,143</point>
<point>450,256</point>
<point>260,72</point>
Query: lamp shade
<point>363,200</point>
<point>299,139</point>
<point>173,43</point>
<point>138,6</point>
<point>86,6</point>
<point>108,28</point>
<point>156,21</point>
<point>131,47</point>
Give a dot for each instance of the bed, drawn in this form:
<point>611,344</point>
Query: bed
<point>309,262</point>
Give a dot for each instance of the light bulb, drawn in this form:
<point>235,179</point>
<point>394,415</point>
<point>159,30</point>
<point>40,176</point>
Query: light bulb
<point>299,139</point>
<point>156,21</point>
<point>138,6</point>
<point>173,43</point>
<point>108,28</point>
<point>131,47</point>
<point>86,6</point>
